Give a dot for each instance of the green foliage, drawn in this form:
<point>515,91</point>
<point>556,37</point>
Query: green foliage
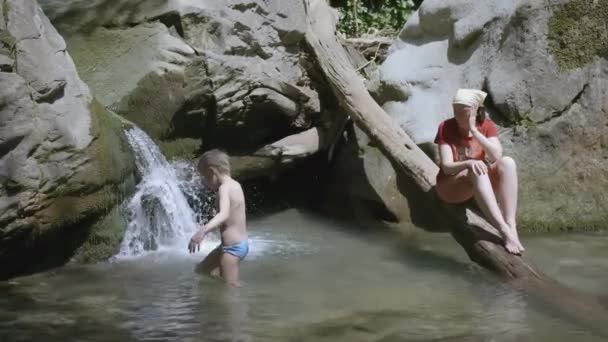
<point>387,17</point>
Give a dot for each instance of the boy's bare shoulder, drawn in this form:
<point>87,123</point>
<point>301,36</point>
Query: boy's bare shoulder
<point>235,187</point>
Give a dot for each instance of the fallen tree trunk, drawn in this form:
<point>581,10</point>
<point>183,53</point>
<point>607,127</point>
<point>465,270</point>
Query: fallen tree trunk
<point>296,146</point>
<point>374,49</point>
<point>479,238</point>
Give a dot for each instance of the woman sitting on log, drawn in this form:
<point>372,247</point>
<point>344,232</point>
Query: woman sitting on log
<point>472,165</point>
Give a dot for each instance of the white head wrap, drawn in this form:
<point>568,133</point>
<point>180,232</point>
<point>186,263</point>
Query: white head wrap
<point>470,97</point>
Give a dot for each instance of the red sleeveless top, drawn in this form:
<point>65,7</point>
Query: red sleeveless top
<point>463,147</point>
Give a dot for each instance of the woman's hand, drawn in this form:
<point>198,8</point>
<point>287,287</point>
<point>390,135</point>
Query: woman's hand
<point>478,167</point>
<point>195,241</point>
<point>473,119</point>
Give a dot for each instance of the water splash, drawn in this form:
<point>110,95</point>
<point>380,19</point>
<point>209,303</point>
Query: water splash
<point>190,182</point>
<point>161,216</point>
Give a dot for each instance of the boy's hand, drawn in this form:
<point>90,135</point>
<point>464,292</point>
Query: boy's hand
<point>195,242</point>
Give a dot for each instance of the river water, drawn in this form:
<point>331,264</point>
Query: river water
<point>306,279</point>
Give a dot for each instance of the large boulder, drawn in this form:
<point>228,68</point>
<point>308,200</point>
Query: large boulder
<point>222,73</point>
<point>544,67</point>
<point>65,163</point>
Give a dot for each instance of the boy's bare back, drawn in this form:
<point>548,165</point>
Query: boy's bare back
<point>234,229</point>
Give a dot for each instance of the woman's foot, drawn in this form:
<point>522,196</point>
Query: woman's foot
<point>516,236</point>
<point>513,247</point>
<point>512,244</point>
<point>521,247</point>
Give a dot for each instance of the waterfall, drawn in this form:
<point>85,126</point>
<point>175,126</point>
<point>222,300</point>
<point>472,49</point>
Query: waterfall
<point>161,217</point>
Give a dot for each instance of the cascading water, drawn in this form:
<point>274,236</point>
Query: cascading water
<point>161,217</point>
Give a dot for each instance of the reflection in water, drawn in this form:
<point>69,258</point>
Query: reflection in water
<point>306,279</point>
<point>238,311</point>
<point>506,311</point>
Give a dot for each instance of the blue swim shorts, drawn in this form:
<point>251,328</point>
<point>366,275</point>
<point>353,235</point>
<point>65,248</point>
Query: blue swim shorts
<point>239,249</point>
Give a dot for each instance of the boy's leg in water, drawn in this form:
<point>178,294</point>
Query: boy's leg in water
<point>229,269</point>
<point>238,315</point>
<point>211,262</point>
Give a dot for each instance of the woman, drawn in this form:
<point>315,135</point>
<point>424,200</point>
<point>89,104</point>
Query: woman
<point>472,165</point>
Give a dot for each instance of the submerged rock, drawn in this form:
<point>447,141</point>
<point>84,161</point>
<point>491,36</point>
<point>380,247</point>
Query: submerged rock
<point>545,69</point>
<point>64,161</point>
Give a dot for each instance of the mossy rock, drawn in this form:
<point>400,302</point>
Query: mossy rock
<point>578,33</point>
<point>111,151</point>
<point>5,9</point>
<point>104,237</point>
<point>7,40</point>
<point>79,215</point>
<point>102,183</point>
<point>153,103</point>
<point>186,148</point>
<point>157,107</point>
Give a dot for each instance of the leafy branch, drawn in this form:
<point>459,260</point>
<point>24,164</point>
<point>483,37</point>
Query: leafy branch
<point>361,17</point>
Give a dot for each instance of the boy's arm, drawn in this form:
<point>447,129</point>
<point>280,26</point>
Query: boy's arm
<point>220,217</point>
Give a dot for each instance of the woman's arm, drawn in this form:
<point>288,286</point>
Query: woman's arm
<point>447,163</point>
<point>450,167</point>
<point>490,145</point>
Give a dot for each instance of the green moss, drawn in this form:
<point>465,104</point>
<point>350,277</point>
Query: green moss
<point>104,238</point>
<point>6,39</point>
<point>110,151</point>
<point>69,209</point>
<point>7,43</point>
<point>185,148</point>
<point>101,184</point>
<point>156,106</point>
<point>84,210</point>
<point>524,120</point>
<point>578,33</point>
<point>531,225</point>
<point>152,105</point>
<point>5,10</point>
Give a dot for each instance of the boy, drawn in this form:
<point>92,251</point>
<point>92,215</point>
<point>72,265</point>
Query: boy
<point>214,166</point>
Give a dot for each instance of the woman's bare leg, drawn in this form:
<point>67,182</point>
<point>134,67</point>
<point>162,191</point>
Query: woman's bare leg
<point>485,198</point>
<point>506,193</point>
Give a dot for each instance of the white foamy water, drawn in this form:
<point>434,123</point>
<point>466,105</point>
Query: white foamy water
<point>170,204</point>
<point>161,219</point>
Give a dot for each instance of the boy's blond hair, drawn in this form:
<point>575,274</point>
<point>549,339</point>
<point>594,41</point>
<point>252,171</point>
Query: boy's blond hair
<point>216,159</point>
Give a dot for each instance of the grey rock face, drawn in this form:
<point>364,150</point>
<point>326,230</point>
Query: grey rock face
<point>552,119</point>
<point>64,161</point>
<point>222,73</point>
